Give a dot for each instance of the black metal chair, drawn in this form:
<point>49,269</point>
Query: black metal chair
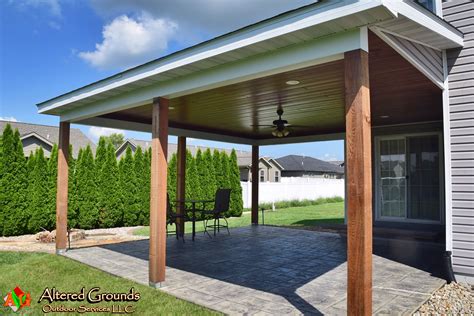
<point>221,205</point>
<point>172,219</point>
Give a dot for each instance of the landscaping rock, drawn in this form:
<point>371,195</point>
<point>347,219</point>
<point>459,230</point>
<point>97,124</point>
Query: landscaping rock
<point>451,299</point>
<point>46,237</point>
<point>77,234</point>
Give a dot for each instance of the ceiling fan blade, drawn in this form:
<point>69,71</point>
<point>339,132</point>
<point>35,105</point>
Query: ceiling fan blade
<point>262,125</point>
<point>299,126</point>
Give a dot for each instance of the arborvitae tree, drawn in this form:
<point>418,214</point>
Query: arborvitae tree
<point>193,183</point>
<point>109,198</point>
<point>172,177</point>
<point>13,184</point>
<point>217,166</point>
<point>38,195</point>
<point>139,166</point>
<point>128,182</point>
<point>145,190</point>
<point>208,175</point>
<point>52,186</point>
<point>100,154</point>
<point>236,202</point>
<point>72,212</point>
<point>88,214</point>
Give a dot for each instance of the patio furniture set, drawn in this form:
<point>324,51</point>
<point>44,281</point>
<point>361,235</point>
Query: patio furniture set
<point>221,205</point>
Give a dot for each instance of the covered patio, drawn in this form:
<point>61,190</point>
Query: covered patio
<point>338,69</point>
<point>258,270</point>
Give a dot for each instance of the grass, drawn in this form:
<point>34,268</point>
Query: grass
<point>33,272</point>
<point>328,213</point>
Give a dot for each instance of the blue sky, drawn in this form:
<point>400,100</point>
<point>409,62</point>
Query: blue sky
<point>49,47</point>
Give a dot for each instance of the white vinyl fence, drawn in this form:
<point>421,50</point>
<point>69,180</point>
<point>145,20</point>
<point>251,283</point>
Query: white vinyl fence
<point>293,189</point>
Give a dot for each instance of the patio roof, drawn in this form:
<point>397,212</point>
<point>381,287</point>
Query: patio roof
<point>293,44</point>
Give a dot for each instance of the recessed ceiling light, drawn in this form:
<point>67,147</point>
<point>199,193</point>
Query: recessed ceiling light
<point>292,82</point>
<point>384,116</point>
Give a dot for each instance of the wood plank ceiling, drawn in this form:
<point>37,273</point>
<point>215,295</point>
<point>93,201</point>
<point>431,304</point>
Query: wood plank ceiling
<point>398,90</point>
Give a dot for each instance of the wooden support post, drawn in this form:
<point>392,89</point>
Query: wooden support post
<point>158,196</point>
<point>255,175</point>
<point>62,188</point>
<point>181,182</point>
<point>359,189</point>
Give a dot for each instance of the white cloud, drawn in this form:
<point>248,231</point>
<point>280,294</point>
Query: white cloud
<point>209,16</point>
<point>53,6</point>
<point>329,157</point>
<point>8,118</point>
<point>96,132</point>
<point>145,28</point>
<point>128,42</point>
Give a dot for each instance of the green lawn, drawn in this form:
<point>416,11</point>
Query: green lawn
<point>329,213</point>
<point>33,272</point>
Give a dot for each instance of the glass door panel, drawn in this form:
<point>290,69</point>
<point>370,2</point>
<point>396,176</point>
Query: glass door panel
<point>424,178</point>
<point>392,178</point>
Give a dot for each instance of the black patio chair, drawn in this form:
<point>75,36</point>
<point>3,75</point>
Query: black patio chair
<point>172,219</point>
<point>221,205</point>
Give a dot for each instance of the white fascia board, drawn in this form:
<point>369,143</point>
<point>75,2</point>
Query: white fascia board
<point>323,50</point>
<point>142,127</point>
<point>432,23</point>
<point>259,33</point>
<point>408,57</point>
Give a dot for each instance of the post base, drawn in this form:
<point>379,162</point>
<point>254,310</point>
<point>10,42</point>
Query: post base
<point>156,285</point>
<point>61,251</point>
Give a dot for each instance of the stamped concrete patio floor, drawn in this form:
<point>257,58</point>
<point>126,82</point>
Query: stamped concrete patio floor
<point>265,270</point>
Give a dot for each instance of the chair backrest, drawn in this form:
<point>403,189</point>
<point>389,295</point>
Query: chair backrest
<point>222,200</point>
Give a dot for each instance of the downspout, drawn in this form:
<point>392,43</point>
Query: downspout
<point>447,175</point>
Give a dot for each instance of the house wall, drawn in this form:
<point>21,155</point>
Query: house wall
<point>268,173</point>
<point>31,144</point>
<point>460,13</point>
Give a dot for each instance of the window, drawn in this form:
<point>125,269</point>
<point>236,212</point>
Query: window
<point>277,176</point>
<point>429,4</point>
<point>262,176</point>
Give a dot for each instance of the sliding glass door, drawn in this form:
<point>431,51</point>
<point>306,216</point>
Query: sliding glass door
<point>408,178</point>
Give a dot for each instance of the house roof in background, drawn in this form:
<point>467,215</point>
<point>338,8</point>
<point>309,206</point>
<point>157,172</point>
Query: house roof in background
<point>244,158</point>
<point>51,134</point>
<point>307,164</point>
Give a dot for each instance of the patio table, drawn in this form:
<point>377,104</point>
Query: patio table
<point>193,210</point>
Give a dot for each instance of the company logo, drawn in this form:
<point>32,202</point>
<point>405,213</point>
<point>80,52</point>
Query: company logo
<point>17,299</point>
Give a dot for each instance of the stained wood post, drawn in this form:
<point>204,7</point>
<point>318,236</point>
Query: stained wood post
<point>159,172</point>
<point>359,188</point>
<point>62,188</point>
<point>181,182</point>
<point>255,184</point>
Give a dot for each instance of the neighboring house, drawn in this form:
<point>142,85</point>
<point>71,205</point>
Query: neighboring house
<point>394,79</point>
<point>269,170</point>
<point>243,157</point>
<point>339,163</point>
<point>304,166</point>
<point>34,136</point>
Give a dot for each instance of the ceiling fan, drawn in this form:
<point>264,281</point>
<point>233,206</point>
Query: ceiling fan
<point>280,126</point>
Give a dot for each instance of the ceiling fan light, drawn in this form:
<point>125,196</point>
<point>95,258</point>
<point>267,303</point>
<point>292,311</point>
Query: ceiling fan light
<point>285,132</point>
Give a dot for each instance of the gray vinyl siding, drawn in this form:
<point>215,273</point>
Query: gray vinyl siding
<point>460,13</point>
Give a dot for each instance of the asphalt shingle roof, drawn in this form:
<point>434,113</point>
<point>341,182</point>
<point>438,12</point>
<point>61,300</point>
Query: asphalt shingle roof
<point>308,164</point>
<point>77,138</point>
<point>244,158</point>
